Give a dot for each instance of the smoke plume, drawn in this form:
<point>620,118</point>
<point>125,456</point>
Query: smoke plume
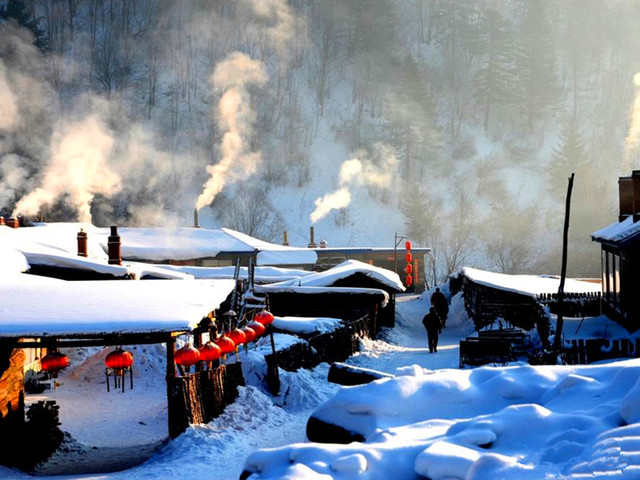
<point>283,27</point>
<point>373,173</point>
<point>233,76</point>
<point>9,116</point>
<point>78,168</point>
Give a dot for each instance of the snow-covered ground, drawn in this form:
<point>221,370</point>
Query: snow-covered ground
<point>432,420</point>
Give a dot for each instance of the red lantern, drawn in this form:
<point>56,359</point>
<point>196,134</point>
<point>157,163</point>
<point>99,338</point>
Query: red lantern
<point>225,344</point>
<point>408,280</point>
<point>210,352</point>
<point>257,327</point>
<point>408,269</point>
<point>187,356</point>
<point>54,362</point>
<point>264,317</point>
<point>408,257</point>
<point>249,333</point>
<point>237,336</point>
<point>118,359</point>
<point>407,245</point>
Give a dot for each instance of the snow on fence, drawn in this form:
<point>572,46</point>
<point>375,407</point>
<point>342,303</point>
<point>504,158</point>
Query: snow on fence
<point>581,352</point>
<point>334,346</point>
<point>574,305</point>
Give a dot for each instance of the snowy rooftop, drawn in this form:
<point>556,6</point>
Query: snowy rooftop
<point>278,288</point>
<point>530,285</point>
<point>306,325</point>
<point>39,306</point>
<point>157,244</point>
<point>618,231</point>
<point>345,270</point>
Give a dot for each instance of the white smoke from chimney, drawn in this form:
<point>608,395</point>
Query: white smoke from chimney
<point>370,172</point>
<point>331,201</point>
<point>235,117</point>
<point>78,167</point>
<point>9,115</point>
<point>633,137</point>
<point>285,25</point>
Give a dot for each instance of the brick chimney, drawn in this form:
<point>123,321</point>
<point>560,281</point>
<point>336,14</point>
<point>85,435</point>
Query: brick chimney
<point>285,239</point>
<point>312,241</point>
<point>12,222</point>
<point>195,218</point>
<point>1,220</point>
<point>82,243</point>
<point>625,191</point>
<point>113,244</point>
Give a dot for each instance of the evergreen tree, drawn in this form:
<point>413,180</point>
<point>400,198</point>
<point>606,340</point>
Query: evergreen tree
<point>569,156</point>
<point>495,81</point>
<point>17,10</point>
<point>536,63</point>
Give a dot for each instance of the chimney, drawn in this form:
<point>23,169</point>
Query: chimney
<point>113,244</point>
<point>82,243</point>
<point>635,179</point>
<point>13,222</point>
<point>323,243</point>
<point>625,191</point>
<point>285,239</point>
<point>195,218</point>
<point>312,242</point>
<point>1,220</point>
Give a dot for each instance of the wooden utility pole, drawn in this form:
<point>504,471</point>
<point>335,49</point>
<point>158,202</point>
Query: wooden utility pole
<point>557,341</point>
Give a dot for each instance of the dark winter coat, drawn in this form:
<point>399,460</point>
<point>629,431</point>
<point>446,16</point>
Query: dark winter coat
<point>432,322</point>
<point>439,301</point>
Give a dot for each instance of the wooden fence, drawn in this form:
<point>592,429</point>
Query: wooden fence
<point>200,397</point>
<point>583,352</point>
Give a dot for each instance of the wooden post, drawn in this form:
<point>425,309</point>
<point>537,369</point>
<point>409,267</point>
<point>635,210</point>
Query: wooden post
<point>557,341</point>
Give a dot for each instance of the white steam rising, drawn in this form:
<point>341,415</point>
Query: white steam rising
<point>78,168</point>
<point>9,116</point>
<point>235,117</point>
<point>284,25</point>
<point>376,172</point>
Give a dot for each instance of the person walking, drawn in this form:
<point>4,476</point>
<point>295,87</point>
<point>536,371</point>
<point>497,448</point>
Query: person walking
<point>433,324</point>
<point>439,301</point>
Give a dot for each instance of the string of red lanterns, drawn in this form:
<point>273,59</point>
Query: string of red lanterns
<point>53,362</point>
<point>409,268</point>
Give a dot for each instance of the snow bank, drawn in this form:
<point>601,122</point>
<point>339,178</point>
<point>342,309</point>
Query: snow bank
<point>13,262</point>
<point>489,422</point>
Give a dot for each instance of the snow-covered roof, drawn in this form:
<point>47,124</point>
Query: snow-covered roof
<point>277,288</point>
<point>158,244</point>
<point>345,270</point>
<point>306,325</point>
<point>261,274</point>
<point>530,285</point>
<point>618,231</point>
<point>37,307</point>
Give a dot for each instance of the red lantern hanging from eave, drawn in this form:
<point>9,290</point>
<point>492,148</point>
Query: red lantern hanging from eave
<point>408,257</point>
<point>225,343</point>
<point>264,317</point>
<point>187,356</point>
<point>249,333</point>
<point>210,352</point>
<point>408,269</point>
<point>407,245</point>
<point>257,327</point>
<point>237,336</point>
<point>119,359</point>
<point>54,362</point>
<point>408,280</point>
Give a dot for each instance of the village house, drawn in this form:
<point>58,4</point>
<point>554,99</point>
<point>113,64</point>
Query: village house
<point>620,256</point>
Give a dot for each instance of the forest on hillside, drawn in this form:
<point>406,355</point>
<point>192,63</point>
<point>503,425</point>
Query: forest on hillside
<point>479,110</point>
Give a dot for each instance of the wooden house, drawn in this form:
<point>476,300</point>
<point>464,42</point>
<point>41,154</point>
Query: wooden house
<point>620,257</point>
<point>516,299</point>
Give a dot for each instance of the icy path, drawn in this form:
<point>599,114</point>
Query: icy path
<point>253,421</point>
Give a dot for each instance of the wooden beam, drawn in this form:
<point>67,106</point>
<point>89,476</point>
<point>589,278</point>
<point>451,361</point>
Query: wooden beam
<point>106,341</point>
